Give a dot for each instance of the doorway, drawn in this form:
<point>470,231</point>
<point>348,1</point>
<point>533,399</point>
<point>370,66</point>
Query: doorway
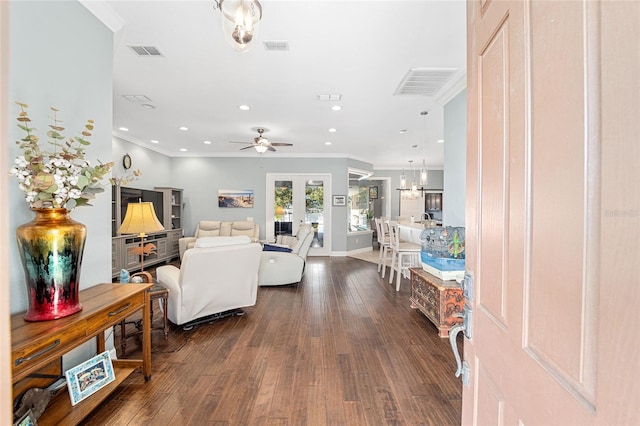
<point>297,199</point>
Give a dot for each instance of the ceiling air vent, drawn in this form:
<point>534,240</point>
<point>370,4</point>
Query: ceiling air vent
<point>146,50</point>
<point>276,45</point>
<point>329,97</point>
<point>424,81</point>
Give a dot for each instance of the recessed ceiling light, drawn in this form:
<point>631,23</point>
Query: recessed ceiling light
<point>403,131</point>
<point>244,107</point>
<point>183,149</point>
<point>332,130</point>
<point>184,128</point>
<point>328,143</point>
<point>336,108</point>
<point>207,142</point>
<point>440,140</point>
<point>154,141</point>
<point>124,129</point>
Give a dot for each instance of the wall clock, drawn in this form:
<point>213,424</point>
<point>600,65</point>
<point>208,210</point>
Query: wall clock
<point>126,161</point>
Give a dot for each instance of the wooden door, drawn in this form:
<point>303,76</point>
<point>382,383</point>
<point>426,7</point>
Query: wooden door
<point>553,213</point>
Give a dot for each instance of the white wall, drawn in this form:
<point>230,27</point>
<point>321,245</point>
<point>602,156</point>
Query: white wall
<point>455,154</point>
<point>61,56</point>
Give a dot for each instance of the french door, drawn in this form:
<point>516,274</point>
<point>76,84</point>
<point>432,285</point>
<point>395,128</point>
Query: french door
<point>297,199</point>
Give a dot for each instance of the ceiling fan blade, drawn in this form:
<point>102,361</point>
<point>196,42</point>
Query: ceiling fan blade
<point>247,147</point>
<point>248,143</point>
<point>270,148</point>
<point>280,144</point>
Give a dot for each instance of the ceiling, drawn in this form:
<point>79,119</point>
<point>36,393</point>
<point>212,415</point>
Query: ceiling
<point>360,50</point>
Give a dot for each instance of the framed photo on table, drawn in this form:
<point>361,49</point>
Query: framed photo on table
<point>373,192</point>
<point>339,200</point>
<point>89,377</point>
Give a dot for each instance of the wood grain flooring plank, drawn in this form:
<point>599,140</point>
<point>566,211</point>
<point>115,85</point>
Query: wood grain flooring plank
<point>341,347</point>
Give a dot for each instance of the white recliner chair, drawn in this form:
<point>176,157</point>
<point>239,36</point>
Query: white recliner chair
<point>219,274</point>
<point>281,268</point>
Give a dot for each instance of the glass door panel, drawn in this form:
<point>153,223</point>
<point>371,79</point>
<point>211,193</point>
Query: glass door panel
<point>296,200</point>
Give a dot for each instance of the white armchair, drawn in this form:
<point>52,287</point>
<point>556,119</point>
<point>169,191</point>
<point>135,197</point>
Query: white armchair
<point>280,268</point>
<point>219,274</point>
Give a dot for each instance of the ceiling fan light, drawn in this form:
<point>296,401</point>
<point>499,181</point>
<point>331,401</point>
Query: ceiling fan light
<point>261,148</point>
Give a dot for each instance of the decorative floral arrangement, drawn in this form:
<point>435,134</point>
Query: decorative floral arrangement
<point>126,178</point>
<point>60,177</point>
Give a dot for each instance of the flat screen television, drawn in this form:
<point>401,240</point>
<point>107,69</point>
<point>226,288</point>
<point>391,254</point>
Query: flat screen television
<point>133,195</point>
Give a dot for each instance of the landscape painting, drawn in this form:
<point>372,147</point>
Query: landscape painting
<point>239,198</point>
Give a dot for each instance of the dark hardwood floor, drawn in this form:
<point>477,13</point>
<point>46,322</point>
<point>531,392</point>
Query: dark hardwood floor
<point>340,348</point>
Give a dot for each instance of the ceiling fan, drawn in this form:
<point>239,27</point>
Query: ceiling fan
<point>262,144</point>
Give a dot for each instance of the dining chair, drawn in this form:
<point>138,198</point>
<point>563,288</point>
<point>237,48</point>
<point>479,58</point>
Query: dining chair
<point>383,241</point>
<point>404,254</point>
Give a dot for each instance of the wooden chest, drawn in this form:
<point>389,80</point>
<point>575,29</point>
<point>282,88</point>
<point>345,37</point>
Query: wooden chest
<point>438,300</point>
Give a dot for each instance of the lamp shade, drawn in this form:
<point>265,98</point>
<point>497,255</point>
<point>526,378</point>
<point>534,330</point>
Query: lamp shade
<point>140,219</point>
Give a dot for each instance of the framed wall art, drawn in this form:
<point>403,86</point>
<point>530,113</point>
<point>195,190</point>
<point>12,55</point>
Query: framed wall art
<point>373,192</point>
<point>339,200</point>
<point>235,198</point>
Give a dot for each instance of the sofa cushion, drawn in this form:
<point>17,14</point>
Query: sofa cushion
<point>243,228</point>
<point>221,241</point>
<point>300,236</point>
<point>286,240</point>
<point>209,228</point>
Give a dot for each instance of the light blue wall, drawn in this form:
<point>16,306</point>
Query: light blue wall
<point>201,178</point>
<point>455,157</point>
<point>155,167</point>
<point>61,56</point>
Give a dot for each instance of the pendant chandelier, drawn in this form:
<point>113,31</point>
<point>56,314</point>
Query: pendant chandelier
<point>424,176</point>
<point>240,22</point>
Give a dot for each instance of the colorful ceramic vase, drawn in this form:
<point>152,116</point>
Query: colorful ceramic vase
<point>51,248</point>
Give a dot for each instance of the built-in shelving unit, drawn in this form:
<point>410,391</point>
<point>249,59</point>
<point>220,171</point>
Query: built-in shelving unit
<point>168,205</point>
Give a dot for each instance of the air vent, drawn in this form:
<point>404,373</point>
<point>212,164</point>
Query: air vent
<point>424,81</point>
<point>137,98</point>
<point>276,45</point>
<point>329,97</point>
<point>146,50</point>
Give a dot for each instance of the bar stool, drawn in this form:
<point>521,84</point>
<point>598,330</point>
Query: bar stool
<point>402,253</point>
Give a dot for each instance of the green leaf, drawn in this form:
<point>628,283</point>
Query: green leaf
<point>82,141</point>
<point>54,135</point>
<point>82,182</point>
<point>71,204</point>
<point>53,188</point>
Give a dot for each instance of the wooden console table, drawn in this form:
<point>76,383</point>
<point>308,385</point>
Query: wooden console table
<point>36,344</point>
<point>438,300</point>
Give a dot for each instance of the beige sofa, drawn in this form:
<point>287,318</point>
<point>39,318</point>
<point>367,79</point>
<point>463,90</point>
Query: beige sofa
<point>216,228</point>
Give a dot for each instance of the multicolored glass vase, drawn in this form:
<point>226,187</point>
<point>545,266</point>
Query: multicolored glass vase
<point>51,248</point>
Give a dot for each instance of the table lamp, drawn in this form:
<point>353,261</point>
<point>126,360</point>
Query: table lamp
<point>141,219</point>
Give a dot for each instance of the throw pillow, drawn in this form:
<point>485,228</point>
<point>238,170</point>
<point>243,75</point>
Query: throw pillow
<point>271,247</point>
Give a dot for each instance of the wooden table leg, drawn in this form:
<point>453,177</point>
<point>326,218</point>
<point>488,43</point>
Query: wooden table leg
<point>166,321</point>
<point>146,337</point>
